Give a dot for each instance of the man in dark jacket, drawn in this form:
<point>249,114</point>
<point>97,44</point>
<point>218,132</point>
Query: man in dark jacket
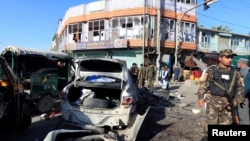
<point>134,70</point>
<point>243,108</point>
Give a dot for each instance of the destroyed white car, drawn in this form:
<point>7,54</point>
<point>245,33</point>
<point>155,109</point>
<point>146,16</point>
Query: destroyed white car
<point>102,94</point>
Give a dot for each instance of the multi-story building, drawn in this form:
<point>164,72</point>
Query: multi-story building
<point>134,30</point>
<point>210,42</point>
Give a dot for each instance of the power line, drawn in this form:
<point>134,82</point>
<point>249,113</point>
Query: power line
<point>243,3</point>
<point>225,21</point>
<point>236,9</point>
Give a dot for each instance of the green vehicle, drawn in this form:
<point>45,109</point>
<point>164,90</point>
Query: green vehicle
<point>42,73</point>
<point>12,111</point>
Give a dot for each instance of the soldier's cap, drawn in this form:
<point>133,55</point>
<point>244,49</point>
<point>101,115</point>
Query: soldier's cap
<point>226,52</point>
<point>243,60</point>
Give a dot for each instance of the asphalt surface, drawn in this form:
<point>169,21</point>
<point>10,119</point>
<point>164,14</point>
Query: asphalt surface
<point>41,126</point>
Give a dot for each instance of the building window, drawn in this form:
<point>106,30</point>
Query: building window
<point>247,46</point>
<point>205,39</point>
<point>115,23</point>
<point>76,30</point>
<point>170,29</point>
<point>136,27</point>
<point>187,32</point>
<point>193,2</point>
<point>96,30</point>
<point>128,27</point>
<point>235,43</point>
<point>181,1</point>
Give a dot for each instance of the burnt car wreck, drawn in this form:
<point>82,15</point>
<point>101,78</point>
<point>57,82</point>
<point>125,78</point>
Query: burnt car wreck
<point>102,98</point>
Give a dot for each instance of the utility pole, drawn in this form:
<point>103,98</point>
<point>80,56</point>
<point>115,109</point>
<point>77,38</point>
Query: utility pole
<point>143,36</point>
<point>206,4</point>
<point>158,43</point>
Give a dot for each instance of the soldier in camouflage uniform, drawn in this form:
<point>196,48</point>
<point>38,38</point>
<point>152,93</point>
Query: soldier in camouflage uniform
<point>217,109</point>
<point>141,76</point>
<point>150,75</point>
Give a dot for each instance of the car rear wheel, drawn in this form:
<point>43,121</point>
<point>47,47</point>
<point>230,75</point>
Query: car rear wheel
<point>45,104</point>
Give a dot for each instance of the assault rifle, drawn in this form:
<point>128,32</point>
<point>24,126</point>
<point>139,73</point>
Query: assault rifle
<point>234,109</point>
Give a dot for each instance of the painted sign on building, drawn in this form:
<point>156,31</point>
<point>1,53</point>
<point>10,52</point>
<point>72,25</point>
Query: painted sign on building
<point>118,43</point>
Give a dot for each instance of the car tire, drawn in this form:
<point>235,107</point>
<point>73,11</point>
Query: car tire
<point>45,104</point>
<point>95,102</point>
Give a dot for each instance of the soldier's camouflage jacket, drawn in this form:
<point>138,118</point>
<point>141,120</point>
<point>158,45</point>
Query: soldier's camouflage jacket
<point>204,88</point>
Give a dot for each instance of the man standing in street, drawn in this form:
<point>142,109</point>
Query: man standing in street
<point>141,76</point>
<point>150,74</point>
<point>243,108</point>
<point>134,71</point>
<point>164,78</point>
<point>176,73</point>
<point>220,82</point>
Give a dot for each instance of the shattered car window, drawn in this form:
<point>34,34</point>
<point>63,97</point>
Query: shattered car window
<point>103,66</point>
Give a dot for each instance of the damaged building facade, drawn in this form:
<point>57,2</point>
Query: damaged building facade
<point>134,30</point>
<point>211,41</point>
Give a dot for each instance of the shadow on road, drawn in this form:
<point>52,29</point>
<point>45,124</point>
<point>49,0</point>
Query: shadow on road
<point>150,126</point>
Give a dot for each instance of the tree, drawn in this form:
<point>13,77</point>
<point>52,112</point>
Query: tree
<point>222,28</point>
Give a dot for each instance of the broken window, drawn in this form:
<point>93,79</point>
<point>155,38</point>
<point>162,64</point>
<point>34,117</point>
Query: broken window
<point>136,21</point>
<point>90,26</point>
<point>96,25</point>
<point>96,30</point>
<point>127,27</point>
<point>115,23</point>
<point>146,20</point>
<point>76,30</point>
<point>102,24</point>
<point>123,22</point>
<point>130,22</point>
<point>172,29</point>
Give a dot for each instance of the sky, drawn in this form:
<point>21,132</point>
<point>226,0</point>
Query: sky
<point>33,23</point>
<point>232,13</point>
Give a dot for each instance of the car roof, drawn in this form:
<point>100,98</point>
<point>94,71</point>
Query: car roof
<point>30,51</point>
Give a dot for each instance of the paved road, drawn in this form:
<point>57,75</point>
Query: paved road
<point>40,127</point>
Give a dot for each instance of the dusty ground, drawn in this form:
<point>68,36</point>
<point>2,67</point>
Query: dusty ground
<point>171,124</point>
<point>174,122</point>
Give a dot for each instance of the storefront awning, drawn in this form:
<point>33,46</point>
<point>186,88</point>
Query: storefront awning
<point>193,62</point>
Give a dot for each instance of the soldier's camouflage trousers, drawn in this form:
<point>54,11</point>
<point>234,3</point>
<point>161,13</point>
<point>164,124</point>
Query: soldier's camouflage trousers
<point>150,82</point>
<point>141,83</point>
<point>216,112</point>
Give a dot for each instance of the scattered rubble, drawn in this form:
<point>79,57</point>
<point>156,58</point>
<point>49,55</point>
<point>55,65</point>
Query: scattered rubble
<point>171,116</point>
